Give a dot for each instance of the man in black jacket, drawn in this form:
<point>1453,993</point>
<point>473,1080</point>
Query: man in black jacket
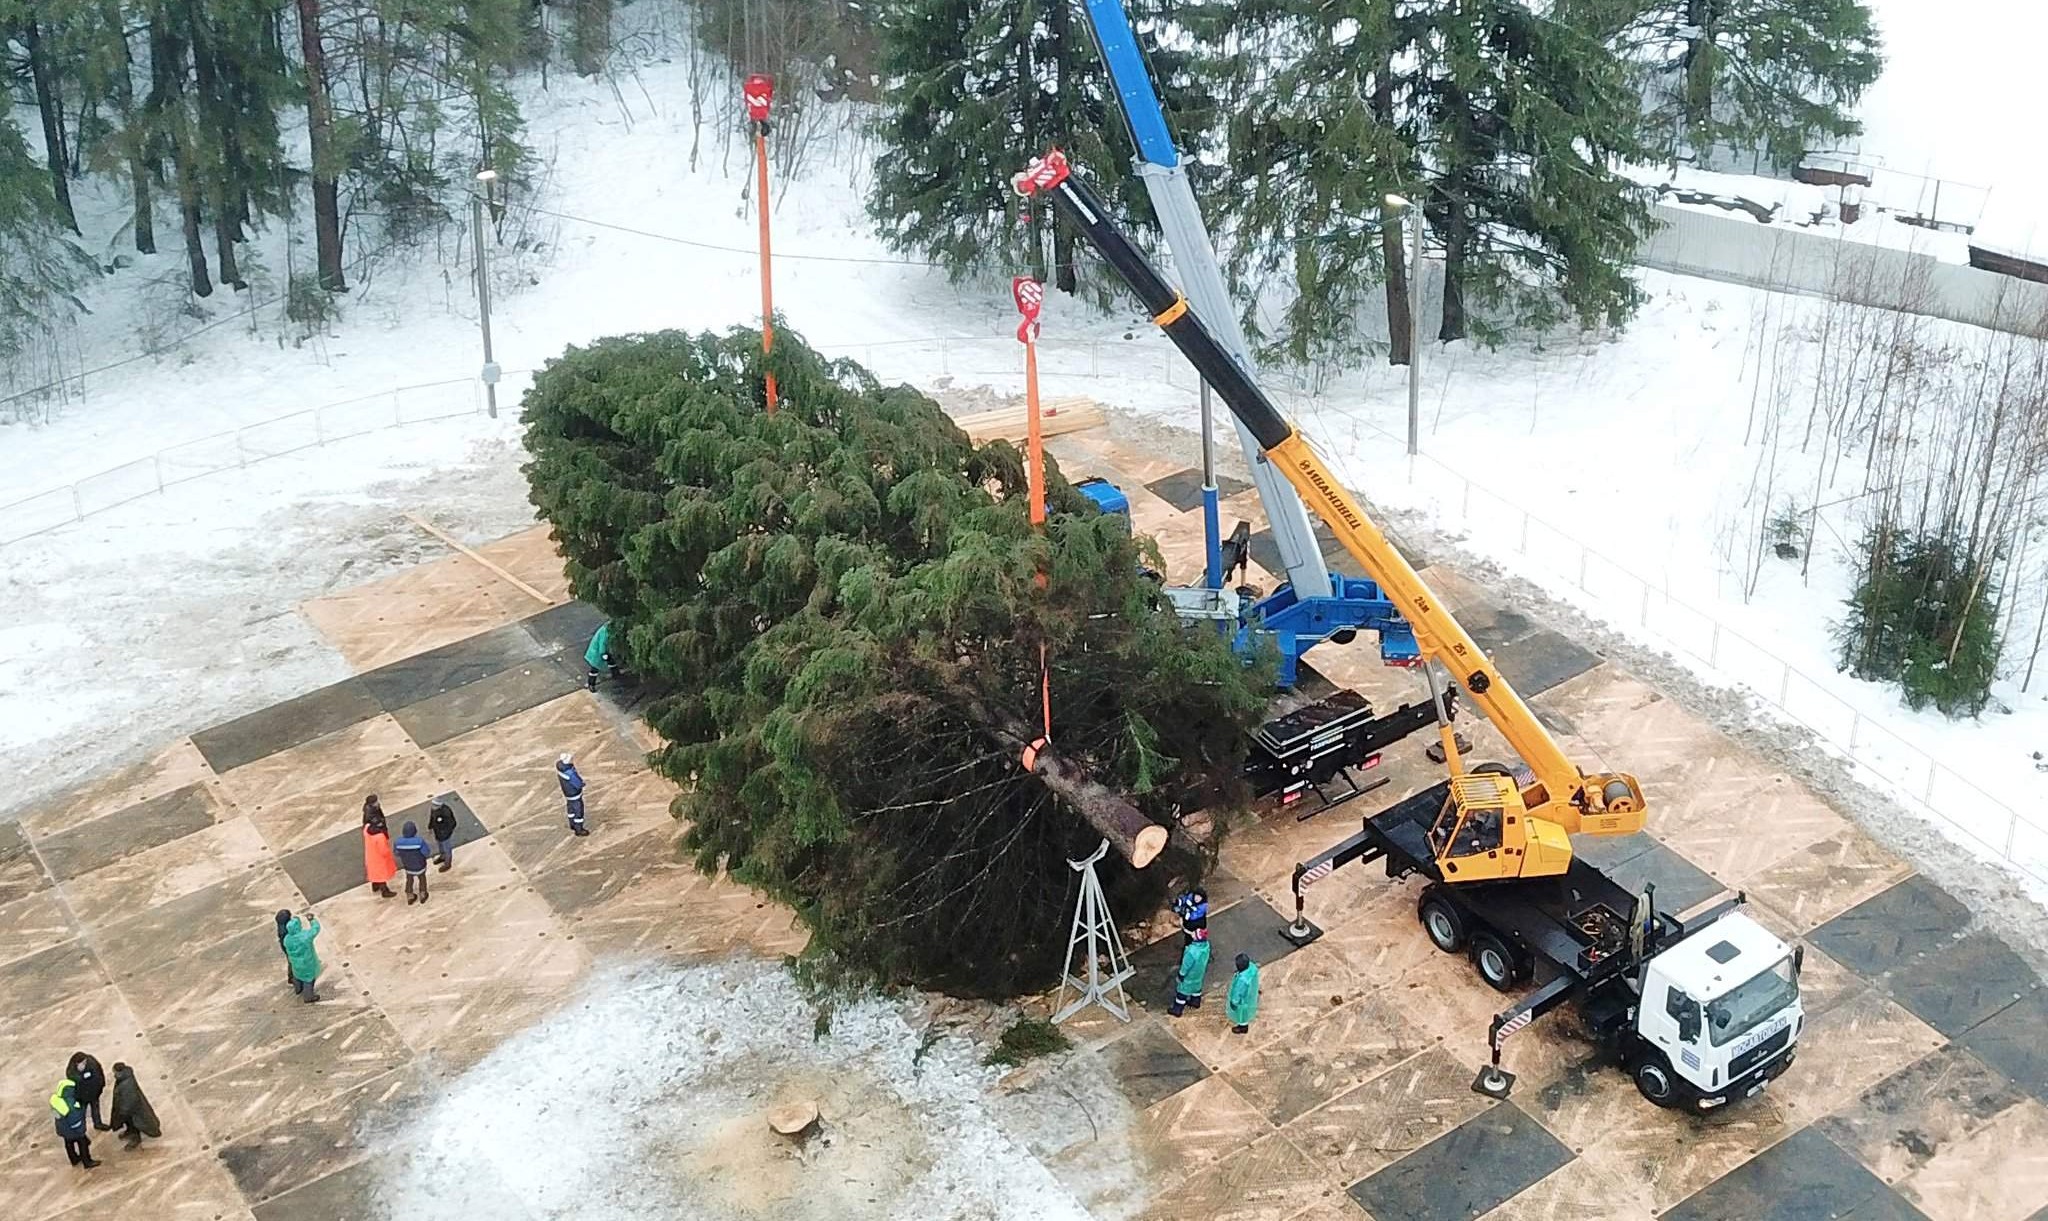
<point>441,825</point>
<point>91,1080</point>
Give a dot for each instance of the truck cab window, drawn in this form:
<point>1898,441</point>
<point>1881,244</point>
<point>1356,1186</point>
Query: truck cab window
<point>1750,1002</point>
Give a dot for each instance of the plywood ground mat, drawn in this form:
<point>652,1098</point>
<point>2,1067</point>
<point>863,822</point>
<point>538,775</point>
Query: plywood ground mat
<point>135,920</point>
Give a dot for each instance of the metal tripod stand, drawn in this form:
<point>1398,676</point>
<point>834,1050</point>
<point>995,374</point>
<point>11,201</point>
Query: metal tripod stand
<point>1095,936</point>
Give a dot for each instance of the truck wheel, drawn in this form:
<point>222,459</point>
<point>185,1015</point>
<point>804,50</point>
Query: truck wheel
<point>1496,963</point>
<point>1491,768</point>
<point>1655,1082</point>
<point>1442,921</point>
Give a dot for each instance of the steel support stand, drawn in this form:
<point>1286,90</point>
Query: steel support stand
<point>1095,936</point>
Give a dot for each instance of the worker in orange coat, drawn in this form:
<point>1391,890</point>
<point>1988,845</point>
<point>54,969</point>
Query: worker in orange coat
<point>379,865</point>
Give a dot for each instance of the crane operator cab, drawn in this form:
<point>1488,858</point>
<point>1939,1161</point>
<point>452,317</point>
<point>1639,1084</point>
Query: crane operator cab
<point>1484,832</point>
<point>1718,1015</point>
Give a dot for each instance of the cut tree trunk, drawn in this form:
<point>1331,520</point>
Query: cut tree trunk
<point>50,105</point>
<point>320,127</point>
<point>1135,837</point>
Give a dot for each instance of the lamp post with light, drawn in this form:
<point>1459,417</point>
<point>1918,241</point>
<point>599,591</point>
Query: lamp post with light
<point>489,374</point>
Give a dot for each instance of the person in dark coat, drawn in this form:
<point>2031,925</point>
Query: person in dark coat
<point>411,852</point>
<point>284,918</point>
<point>133,1117</point>
<point>441,825</point>
<point>378,864</point>
<point>70,1121</point>
<point>572,792</point>
<point>91,1081</point>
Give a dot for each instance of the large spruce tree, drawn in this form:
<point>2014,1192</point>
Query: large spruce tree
<point>1504,125</point>
<point>837,609</point>
<point>1772,77</point>
<point>979,87</point>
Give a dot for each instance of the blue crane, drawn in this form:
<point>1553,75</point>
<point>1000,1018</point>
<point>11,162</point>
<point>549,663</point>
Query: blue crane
<point>1315,604</point>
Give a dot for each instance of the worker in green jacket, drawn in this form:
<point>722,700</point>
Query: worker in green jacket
<point>1243,1003</point>
<point>298,950</point>
<point>600,654</point>
<point>1194,971</point>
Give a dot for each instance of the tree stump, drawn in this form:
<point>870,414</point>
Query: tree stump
<point>794,1120</point>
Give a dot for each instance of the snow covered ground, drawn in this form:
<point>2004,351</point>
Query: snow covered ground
<point>647,1097</point>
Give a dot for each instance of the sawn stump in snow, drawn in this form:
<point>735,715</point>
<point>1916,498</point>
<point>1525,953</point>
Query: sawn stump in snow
<point>794,1120</point>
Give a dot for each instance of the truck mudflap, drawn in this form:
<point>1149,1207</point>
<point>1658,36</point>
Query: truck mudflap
<point>1748,1086</point>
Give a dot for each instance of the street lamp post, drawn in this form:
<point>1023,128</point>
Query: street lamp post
<point>1414,216</point>
<point>489,373</point>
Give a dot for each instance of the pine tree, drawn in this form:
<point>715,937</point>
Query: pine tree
<point>1520,122</point>
<point>122,142</point>
<point>1505,126</point>
<point>327,153</point>
<point>37,32</point>
<point>39,266</point>
<point>978,88</point>
<point>1769,76</point>
<point>239,84</point>
<point>836,610</point>
<point>1314,149</point>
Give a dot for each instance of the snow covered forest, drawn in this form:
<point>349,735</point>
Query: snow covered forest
<point>214,212</point>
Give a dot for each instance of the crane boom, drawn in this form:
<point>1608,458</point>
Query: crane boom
<point>1483,833</point>
<point>1180,221</point>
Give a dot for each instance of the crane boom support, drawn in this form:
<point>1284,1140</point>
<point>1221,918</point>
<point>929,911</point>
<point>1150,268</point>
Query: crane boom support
<point>1561,794</point>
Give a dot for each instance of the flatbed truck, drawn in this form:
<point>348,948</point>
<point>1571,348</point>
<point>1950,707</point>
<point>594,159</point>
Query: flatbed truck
<point>1702,1011</point>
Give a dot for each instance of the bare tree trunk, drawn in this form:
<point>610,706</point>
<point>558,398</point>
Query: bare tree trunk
<point>1400,319</point>
<point>1456,232</point>
<point>50,104</point>
<point>166,98</point>
<point>1699,67</point>
<point>135,137</point>
<point>320,126</point>
<point>195,244</point>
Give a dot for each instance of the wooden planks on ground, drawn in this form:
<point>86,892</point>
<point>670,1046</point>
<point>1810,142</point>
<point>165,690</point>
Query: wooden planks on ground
<point>1057,417</point>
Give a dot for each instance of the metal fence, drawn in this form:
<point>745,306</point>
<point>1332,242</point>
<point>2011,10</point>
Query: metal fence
<point>235,450</point>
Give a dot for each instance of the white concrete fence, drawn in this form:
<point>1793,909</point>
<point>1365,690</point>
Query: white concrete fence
<point>1788,259</point>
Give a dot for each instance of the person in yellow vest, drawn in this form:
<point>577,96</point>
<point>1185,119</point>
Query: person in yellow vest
<point>71,1127</point>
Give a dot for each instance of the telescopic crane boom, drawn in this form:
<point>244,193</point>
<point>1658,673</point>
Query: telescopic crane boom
<point>1490,828</point>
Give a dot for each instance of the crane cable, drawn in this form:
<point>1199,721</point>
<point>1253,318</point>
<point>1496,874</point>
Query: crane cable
<point>1029,295</point>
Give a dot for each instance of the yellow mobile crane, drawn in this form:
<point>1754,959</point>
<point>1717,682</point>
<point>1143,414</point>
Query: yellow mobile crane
<point>1490,828</point>
<point>1701,1010</point>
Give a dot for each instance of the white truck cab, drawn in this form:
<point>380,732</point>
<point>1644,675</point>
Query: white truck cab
<point>1718,1016</point>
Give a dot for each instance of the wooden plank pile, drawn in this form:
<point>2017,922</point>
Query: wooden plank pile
<point>1057,417</point>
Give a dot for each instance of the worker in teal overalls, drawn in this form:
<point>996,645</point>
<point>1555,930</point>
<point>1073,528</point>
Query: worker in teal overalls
<point>600,654</point>
<point>1194,971</point>
<point>1243,1004</point>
